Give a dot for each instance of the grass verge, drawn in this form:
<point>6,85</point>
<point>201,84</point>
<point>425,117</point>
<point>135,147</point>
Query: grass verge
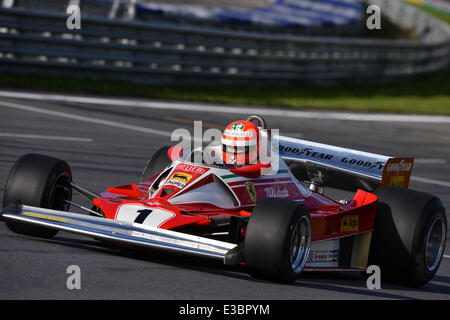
<point>425,95</point>
<point>444,16</point>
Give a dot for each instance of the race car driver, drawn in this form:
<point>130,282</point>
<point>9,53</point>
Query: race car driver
<point>240,143</point>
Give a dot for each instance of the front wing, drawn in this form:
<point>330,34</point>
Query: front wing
<point>324,255</point>
<point>123,233</point>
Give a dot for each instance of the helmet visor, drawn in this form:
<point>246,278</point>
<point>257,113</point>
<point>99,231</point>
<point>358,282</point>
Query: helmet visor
<point>238,150</point>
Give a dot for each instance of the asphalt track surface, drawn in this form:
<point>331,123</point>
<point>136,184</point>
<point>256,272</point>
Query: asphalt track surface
<point>102,154</point>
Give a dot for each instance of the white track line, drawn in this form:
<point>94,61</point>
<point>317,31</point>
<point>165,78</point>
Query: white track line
<point>44,137</point>
<point>431,181</point>
<point>445,256</point>
<point>430,161</point>
<point>142,129</point>
<point>91,120</point>
<point>321,115</point>
<point>84,119</point>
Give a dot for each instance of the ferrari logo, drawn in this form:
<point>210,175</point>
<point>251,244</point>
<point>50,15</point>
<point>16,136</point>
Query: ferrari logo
<point>251,190</point>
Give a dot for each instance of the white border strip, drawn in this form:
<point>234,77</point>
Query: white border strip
<point>322,115</point>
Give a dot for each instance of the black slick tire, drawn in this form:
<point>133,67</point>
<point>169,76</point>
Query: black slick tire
<point>158,162</point>
<point>40,181</point>
<point>408,224</point>
<point>274,226</point>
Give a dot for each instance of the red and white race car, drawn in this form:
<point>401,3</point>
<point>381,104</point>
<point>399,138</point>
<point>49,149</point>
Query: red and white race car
<point>278,224</point>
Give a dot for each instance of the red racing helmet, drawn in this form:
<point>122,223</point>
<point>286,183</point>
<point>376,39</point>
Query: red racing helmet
<point>240,141</point>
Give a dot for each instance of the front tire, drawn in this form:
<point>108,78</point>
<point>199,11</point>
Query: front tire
<point>159,161</point>
<point>277,240</point>
<point>409,236</point>
<point>40,181</point>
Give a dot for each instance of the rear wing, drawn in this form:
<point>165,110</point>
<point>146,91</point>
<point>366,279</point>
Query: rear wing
<point>343,168</point>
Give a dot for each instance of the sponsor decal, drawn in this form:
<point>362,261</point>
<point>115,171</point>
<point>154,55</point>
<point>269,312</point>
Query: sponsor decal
<point>398,167</point>
<point>237,126</point>
<point>307,152</point>
<point>311,153</point>
<point>239,134</point>
<point>276,192</point>
<point>191,168</point>
<point>397,172</point>
<point>323,256</point>
<point>154,203</point>
<point>251,189</point>
<point>397,181</point>
<point>349,223</point>
<point>179,179</point>
<point>176,183</point>
<point>362,163</point>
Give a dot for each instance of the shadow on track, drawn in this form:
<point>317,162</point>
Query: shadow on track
<point>348,282</point>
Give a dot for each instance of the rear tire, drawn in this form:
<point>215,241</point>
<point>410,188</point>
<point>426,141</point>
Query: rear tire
<point>409,236</point>
<point>159,161</point>
<point>40,181</point>
<point>277,240</point>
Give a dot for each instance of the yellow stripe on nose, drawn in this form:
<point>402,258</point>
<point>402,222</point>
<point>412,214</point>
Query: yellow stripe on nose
<point>44,216</point>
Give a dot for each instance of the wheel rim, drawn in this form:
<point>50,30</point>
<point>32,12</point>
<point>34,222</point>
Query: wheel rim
<point>300,244</point>
<point>59,193</point>
<point>434,246</point>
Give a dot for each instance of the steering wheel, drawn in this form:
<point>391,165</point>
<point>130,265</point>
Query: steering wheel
<point>261,122</point>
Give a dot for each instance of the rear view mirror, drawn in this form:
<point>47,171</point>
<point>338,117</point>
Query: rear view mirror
<point>250,171</point>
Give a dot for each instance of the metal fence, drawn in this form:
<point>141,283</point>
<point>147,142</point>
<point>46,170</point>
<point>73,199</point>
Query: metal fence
<point>150,52</point>
<point>412,19</point>
<point>136,10</point>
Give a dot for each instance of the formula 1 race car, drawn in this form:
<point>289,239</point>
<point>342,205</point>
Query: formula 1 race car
<point>278,224</point>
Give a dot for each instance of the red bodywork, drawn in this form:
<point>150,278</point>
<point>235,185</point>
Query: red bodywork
<point>330,219</point>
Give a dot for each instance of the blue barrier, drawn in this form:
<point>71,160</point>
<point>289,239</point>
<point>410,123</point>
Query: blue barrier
<point>282,13</point>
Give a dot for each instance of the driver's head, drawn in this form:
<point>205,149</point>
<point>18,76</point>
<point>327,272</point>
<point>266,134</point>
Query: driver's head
<point>240,141</point>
